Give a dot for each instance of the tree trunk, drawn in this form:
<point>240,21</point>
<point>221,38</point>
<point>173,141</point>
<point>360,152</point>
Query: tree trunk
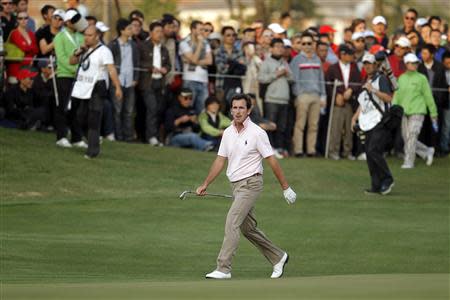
<point>378,8</point>
<point>286,6</point>
<point>261,11</point>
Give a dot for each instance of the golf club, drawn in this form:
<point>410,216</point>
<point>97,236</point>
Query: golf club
<point>184,194</point>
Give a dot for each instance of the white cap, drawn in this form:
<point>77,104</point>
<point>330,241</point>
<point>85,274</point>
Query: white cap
<point>369,33</point>
<point>60,13</point>
<point>403,42</point>
<point>421,21</point>
<point>368,57</point>
<point>378,20</point>
<point>101,26</point>
<point>410,58</point>
<point>70,13</point>
<point>287,43</point>
<point>275,27</point>
<point>357,35</point>
<point>214,36</point>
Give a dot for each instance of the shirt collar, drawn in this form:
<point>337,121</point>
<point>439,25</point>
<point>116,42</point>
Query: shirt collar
<point>246,123</point>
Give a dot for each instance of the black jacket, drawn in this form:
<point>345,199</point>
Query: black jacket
<point>146,57</point>
<point>174,113</point>
<point>114,46</point>
<point>439,82</point>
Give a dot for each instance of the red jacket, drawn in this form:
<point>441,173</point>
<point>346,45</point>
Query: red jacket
<point>397,65</point>
<point>30,51</point>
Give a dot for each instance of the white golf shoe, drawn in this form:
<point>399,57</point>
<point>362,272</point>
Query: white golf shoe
<point>279,267</point>
<point>218,275</point>
<point>80,144</point>
<point>64,143</point>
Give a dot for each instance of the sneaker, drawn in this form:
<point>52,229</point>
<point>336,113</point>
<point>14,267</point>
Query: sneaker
<point>299,155</point>
<point>278,269</point>
<point>278,154</point>
<point>80,144</point>
<point>371,192</point>
<point>362,156</point>
<point>64,143</point>
<point>110,137</point>
<point>153,141</point>
<point>430,156</point>
<point>218,275</point>
<point>334,157</point>
<point>386,189</point>
<point>407,166</point>
<point>209,147</point>
<point>351,157</point>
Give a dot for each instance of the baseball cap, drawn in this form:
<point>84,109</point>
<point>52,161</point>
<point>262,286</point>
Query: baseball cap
<point>60,13</point>
<point>376,48</point>
<point>378,20</point>
<point>69,14</point>
<point>101,26</point>
<point>410,58</point>
<point>214,36</point>
<point>369,33</point>
<point>275,27</point>
<point>346,49</point>
<point>287,43</point>
<point>403,42</point>
<point>26,73</point>
<point>357,35</point>
<point>370,58</point>
<point>185,92</point>
<point>326,29</point>
<point>421,21</point>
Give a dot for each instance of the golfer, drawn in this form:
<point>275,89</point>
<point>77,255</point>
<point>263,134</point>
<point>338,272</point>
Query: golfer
<point>244,144</point>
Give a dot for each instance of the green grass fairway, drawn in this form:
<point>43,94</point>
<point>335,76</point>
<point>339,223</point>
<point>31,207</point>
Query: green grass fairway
<point>114,227</point>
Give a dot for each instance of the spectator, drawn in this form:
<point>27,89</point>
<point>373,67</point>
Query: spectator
<point>286,23</point>
<point>409,20</point>
<point>415,96</point>
<point>26,42</point>
<point>445,131</point>
<point>229,61</point>
<point>347,35</point>
<point>248,36</point>
<point>414,39</point>
<point>379,26</point>
<point>46,13</point>
<point>20,106</point>
<point>435,40</point>
<point>75,4</point>
<point>296,42</point>
<point>309,90</point>
<point>48,33</point>
<point>278,31</point>
<point>139,34</point>
<point>322,53</point>
<point>7,19</point>
<point>22,6</point>
<point>126,56</point>
<point>329,31</point>
<point>65,43</point>
<point>263,49</point>
<point>96,67</point>
<point>212,121</point>
<point>402,47</point>
<point>44,93</point>
<point>346,72</point>
<point>253,63</point>
<point>331,56</point>
<point>182,124</point>
<point>169,41</point>
<point>359,45</point>
<point>91,20</point>
<point>425,32</point>
<point>196,54</point>
<point>275,74</point>
<point>155,58</point>
<point>358,25</point>
<point>208,28</point>
<point>257,118</point>
<point>435,23</point>
<point>435,73</point>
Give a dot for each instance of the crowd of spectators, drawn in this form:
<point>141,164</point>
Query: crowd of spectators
<point>176,90</point>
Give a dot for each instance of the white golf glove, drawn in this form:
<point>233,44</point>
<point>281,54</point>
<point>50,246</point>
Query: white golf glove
<point>289,195</point>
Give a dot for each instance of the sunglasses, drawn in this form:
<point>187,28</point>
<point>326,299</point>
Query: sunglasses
<point>22,18</point>
<point>232,34</point>
<point>186,97</point>
<point>360,40</point>
<point>6,3</point>
<point>307,44</point>
<point>57,18</point>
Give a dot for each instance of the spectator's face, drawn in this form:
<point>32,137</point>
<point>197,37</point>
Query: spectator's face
<point>446,63</point>
<point>347,58</point>
<point>425,33</point>
<point>22,6</point>
<point>400,51</point>
<point>214,44</point>
<point>435,38</point>
<point>128,31</point>
<point>27,82</point>
<point>185,101</point>
<point>7,6</point>
<point>359,44</point>
<point>277,49</point>
<point>379,28</point>
<point>47,17</point>
<point>213,107</point>
<point>322,52</point>
<point>207,29</point>
<point>22,19</point>
<point>198,30</point>
<point>370,68</point>
<point>307,44</point>
<point>169,30</point>
<point>267,37</point>
<point>426,55</point>
<point>250,36</point>
<point>136,27</point>
<point>413,38</point>
<point>229,37</point>
<point>297,44</point>
<point>91,38</point>
<point>325,39</point>
<point>91,22</point>
<point>411,66</point>
<point>47,72</point>
<point>361,27</point>
<point>137,17</point>
<point>348,36</point>
<point>435,24</point>
<point>156,34</point>
<point>409,19</point>
<point>57,22</point>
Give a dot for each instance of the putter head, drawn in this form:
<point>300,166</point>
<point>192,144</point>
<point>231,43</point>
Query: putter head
<point>183,195</point>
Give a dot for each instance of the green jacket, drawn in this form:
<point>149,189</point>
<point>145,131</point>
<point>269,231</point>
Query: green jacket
<point>414,95</point>
<point>64,48</point>
<point>209,129</point>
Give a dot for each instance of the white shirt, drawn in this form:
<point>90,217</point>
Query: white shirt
<point>157,60</point>
<point>345,69</point>
<point>190,72</point>
<point>91,70</point>
<point>244,150</point>
<point>370,116</point>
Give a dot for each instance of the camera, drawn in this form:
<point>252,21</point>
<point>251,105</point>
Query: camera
<point>361,134</point>
<point>385,67</point>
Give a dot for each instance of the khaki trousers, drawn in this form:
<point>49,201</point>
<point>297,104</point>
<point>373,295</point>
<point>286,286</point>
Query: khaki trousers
<point>411,126</point>
<point>307,108</point>
<point>341,129</point>
<point>241,218</point>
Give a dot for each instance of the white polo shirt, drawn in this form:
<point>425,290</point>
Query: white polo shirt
<point>244,150</point>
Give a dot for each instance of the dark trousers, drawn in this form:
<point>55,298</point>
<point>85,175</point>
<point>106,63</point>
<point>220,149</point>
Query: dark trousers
<point>277,113</point>
<point>153,99</point>
<point>90,116</point>
<point>378,168</point>
<point>65,117</point>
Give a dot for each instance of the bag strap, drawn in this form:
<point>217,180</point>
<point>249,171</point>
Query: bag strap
<point>377,106</point>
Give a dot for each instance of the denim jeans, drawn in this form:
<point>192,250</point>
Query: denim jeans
<point>123,114</point>
<point>108,117</point>
<point>199,93</point>
<point>445,131</point>
<point>189,139</point>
